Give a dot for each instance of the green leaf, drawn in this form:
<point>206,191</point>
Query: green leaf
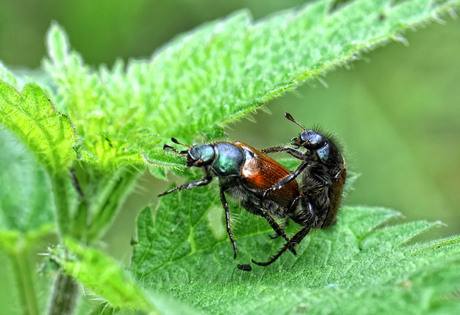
<point>361,263</point>
<point>46,132</point>
<point>25,198</point>
<point>26,207</point>
<point>108,280</point>
<point>219,72</point>
<point>26,216</point>
<point>101,114</point>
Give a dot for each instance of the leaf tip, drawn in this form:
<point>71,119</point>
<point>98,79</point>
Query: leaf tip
<point>57,42</point>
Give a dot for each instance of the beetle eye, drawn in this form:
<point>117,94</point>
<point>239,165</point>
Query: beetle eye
<point>201,154</point>
<point>304,136</point>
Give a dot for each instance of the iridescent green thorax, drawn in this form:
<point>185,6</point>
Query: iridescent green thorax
<point>228,160</point>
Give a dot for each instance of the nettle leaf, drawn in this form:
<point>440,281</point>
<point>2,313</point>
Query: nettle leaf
<point>26,206</point>
<point>46,132</point>
<point>26,218</point>
<point>361,263</point>
<point>217,73</point>
<point>100,110</point>
<point>106,278</point>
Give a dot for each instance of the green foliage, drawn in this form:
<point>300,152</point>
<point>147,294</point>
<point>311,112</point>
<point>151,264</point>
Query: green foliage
<point>94,136</point>
<point>105,109</point>
<point>215,74</point>
<point>25,199</point>
<point>104,277</point>
<point>361,265</point>
<point>26,215</point>
<point>44,130</point>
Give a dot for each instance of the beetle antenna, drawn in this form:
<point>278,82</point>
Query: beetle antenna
<point>177,142</point>
<point>289,116</point>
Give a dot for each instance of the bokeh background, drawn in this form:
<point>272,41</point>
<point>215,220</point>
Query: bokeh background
<point>396,111</point>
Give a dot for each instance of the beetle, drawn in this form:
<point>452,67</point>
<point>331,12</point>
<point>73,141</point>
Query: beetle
<point>245,174</point>
<point>323,170</point>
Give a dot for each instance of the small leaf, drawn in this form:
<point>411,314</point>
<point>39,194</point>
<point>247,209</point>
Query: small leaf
<point>26,207</point>
<point>46,132</point>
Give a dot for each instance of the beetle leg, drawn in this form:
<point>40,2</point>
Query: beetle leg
<point>227,220</point>
<point>296,239</point>
<point>287,179</point>
<point>294,152</point>
<point>336,176</point>
<point>278,229</point>
<point>282,226</point>
<point>274,149</point>
<point>202,182</point>
<point>323,180</point>
<point>311,216</point>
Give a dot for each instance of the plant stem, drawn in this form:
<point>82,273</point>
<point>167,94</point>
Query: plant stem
<point>61,199</point>
<point>65,289</point>
<point>64,296</point>
<point>24,279</point>
<point>111,200</point>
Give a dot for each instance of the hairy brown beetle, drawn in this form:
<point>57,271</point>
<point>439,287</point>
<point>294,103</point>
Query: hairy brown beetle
<point>323,170</point>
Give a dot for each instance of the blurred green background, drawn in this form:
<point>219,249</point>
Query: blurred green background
<point>396,111</point>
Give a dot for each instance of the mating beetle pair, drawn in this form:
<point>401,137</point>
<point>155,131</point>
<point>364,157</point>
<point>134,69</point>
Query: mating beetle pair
<point>266,188</point>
